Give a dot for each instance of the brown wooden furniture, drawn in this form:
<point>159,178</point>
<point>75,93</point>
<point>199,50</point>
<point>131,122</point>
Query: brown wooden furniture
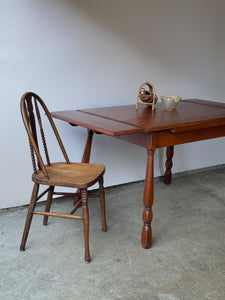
<point>192,120</point>
<point>64,174</point>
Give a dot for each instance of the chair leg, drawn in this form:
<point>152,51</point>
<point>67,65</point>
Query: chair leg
<point>102,203</point>
<point>84,199</point>
<point>29,216</point>
<point>48,204</point>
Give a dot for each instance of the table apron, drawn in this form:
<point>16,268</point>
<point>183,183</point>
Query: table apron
<point>167,138</point>
<point>153,140</point>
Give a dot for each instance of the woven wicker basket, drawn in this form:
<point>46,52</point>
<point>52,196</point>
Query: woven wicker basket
<point>147,96</point>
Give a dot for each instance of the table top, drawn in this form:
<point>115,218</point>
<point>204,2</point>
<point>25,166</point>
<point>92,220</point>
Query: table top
<point>122,120</point>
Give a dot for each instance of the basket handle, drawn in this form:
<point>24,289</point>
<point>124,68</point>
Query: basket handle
<point>151,88</point>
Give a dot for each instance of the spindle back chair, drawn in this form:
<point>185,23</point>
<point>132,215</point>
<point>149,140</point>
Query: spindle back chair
<point>64,174</point>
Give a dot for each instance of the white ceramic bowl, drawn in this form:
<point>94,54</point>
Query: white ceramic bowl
<point>170,102</point>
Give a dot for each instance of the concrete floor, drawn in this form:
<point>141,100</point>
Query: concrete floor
<point>186,261</point>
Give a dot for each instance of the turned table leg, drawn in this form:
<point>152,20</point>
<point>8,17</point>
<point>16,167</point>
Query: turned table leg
<point>168,164</point>
<point>87,148</point>
<point>85,158</point>
<point>148,201</point>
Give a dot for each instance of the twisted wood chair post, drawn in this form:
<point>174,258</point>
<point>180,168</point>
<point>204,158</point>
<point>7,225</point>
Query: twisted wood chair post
<point>79,176</point>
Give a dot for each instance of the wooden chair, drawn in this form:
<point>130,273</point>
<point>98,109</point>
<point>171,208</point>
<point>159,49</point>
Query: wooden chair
<point>63,174</point>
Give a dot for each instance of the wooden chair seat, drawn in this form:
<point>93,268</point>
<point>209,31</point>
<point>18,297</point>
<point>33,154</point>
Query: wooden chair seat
<point>76,175</point>
<point>53,174</point>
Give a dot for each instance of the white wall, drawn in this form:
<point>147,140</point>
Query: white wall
<point>82,54</point>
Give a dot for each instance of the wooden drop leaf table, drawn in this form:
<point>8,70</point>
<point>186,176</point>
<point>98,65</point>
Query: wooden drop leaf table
<point>192,120</point>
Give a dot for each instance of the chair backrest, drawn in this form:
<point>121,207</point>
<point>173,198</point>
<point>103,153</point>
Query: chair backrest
<point>32,108</point>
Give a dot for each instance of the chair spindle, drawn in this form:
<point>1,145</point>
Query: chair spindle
<point>33,157</point>
<point>42,133</point>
